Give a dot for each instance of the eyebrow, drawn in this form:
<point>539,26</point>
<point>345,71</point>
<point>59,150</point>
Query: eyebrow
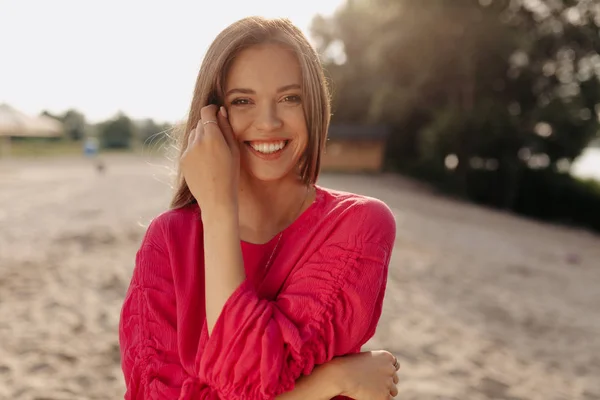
<point>250,91</point>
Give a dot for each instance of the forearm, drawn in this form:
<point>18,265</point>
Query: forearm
<point>322,384</point>
<point>224,272</point>
<point>223,261</point>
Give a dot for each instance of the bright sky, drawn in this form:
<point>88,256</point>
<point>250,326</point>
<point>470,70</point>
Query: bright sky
<point>100,57</point>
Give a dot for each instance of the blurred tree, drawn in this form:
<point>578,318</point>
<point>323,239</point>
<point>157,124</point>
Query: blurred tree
<point>117,133</point>
<point>150,132</point>
<point>501,85</point>
<point>75,124</point>
<point>47,113</point>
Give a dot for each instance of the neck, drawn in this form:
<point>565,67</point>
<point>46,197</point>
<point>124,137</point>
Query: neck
<point>267,208</point>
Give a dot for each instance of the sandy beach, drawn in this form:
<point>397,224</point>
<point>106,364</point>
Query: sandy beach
<point>480,304</point>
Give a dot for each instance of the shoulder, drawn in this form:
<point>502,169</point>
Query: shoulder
<point>170,225</point>
<point>367,218</point>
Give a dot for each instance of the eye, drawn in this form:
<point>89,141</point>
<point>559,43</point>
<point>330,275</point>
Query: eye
<point>240,102</point>
<point>292,99</point>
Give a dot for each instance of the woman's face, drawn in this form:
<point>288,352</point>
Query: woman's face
<point>263,97</point>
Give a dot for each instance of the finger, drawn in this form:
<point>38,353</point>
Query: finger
<point>393,390</point>
<point>389,356</point>
<point>197,131</point>
<point>209,113</point>
<point>226,128</point>
<point>192,136</point>
<point>395,378</point>
<point>396,363</point>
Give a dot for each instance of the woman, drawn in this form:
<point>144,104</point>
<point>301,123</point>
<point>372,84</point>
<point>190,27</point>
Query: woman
<point>258,284</point>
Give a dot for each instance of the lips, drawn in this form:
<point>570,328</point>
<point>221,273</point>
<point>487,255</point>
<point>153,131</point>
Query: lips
<point>267,149</point>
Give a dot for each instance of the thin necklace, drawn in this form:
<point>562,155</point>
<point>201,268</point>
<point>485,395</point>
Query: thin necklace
<point>281,233</point>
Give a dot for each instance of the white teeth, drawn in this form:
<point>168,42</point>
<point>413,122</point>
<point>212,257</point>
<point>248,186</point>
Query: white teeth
<point>268,148</point>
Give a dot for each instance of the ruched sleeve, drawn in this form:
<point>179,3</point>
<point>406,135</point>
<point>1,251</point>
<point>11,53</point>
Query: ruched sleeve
<point>328,307</point>
<point>148,331</point>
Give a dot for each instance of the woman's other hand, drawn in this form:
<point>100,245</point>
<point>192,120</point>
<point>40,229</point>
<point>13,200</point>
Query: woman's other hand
<point>368,375</point>
<point>211,162</point>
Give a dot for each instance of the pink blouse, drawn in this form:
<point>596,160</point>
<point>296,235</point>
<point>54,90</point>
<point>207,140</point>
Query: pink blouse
<point>320,298</point>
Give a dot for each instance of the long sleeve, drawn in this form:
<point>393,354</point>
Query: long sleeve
<point>148,331</point>
<point>328,307</point>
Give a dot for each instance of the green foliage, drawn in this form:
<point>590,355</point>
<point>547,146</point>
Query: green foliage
<point>73,121</point>
<point>75,124</point>
<point>152,134</point>
<point>486,84</point>
<point>559,197</point>
<point>117,133</point>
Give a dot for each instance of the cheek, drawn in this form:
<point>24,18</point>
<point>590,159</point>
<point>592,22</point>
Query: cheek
<point>239,123</point>
<point>303,128</point>
<point>295,118</point>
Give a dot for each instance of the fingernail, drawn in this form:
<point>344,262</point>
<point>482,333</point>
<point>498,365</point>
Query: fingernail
<point>223,112</point>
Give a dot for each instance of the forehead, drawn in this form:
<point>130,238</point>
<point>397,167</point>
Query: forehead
<point>264,66</point>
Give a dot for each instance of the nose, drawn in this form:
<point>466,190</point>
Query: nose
<point>267,118</point>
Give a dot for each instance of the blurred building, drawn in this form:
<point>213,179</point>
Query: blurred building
<point>355,148</point>
<point>14,123</point>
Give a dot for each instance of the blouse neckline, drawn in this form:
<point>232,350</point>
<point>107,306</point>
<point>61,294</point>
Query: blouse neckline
<point>297,223</point>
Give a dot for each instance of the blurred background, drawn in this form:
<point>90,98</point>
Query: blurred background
<point>476,121</point>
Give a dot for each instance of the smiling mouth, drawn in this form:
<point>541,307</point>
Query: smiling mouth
<point>270,147</point>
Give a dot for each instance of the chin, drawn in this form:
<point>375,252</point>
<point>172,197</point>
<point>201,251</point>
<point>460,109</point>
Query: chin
<point>260,173</point>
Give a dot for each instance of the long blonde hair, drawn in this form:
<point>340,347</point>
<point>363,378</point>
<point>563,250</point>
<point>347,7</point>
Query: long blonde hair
<point>211,78</point>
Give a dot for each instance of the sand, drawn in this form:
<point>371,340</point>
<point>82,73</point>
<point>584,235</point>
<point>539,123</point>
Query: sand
<point>480,304</point>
